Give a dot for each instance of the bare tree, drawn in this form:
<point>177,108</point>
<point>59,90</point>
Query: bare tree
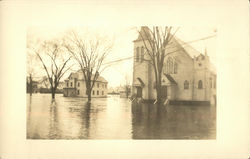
<point>155,41</point>
<point>30,72</point>
<point>89,52</point>
<point>127,86</point>
<point>53,59</point>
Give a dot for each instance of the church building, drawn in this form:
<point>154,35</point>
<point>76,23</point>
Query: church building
<point>188,75</point>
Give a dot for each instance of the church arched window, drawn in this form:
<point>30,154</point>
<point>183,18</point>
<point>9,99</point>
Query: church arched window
<point>169,65</point>
<point>137,54</point>
<point>175,67</point>
<point>186,84</point>
<point>200,85</point>
<point>142,53</point>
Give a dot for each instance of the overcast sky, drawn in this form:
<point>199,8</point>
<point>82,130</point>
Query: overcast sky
<point>123,46</point>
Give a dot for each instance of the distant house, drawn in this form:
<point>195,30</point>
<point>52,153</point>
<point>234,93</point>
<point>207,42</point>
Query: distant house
<point>44,86</point>
<point>125,92</point>
<point>74,86</point>
<point>188,75</point>
<point>34,88</point>
<point>44,83</point>
<point>113,90</point>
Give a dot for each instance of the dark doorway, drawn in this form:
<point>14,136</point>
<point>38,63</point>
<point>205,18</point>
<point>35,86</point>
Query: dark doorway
<point>164,91</point>
<point>139,92</point>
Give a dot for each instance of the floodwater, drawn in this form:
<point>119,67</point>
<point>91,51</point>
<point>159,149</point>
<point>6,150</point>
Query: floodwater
<point>115,118</point>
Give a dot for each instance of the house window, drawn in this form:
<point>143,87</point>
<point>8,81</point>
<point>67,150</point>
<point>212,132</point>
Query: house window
<point>67,84</point>
<point>105,86</point>
<point>214,83</point>
<point>102,93</point>
<point>78,91</point>
<point>186,84</point>
<point>78,84</point>
<point>200,86</point>
<point>93,92</point>
<point>175,67</point>
<point>97,85</point>
<point>97,93</point>
<point>211,83</point>
<point>71,84</point>
<point>142,54</point>
<point>137,54</point>
<point>200,64</point>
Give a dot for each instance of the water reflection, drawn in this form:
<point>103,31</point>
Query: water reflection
<point>85,123</point>
<point>115,118</point>
<point>54,132</point>
<point>173,122</point>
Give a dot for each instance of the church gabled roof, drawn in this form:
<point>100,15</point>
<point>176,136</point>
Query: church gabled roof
<point>187,48</point>
<point>145,34</point>
<point>175,45</point>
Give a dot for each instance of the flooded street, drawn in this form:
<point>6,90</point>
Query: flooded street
<point>115,118</point>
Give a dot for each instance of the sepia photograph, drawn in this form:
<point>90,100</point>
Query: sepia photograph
<point>139,82</point>
<point>133,79</point>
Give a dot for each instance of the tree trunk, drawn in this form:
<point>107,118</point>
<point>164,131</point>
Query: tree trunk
<point>53,93</point>
<point>158,87</point>
<point>88,92</point>
<point>158,92</point>
<point>89,97</point>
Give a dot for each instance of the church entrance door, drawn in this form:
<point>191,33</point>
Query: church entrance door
<point>139,92</point>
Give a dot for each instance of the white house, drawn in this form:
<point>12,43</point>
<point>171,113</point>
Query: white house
<point>75,86</point>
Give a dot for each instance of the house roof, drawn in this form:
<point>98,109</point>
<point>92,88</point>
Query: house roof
<point>101,79</point>
<point>78,75</point>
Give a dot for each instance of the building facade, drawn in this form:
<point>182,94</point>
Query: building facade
<point>188,75</point>
<point>74,86</point>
